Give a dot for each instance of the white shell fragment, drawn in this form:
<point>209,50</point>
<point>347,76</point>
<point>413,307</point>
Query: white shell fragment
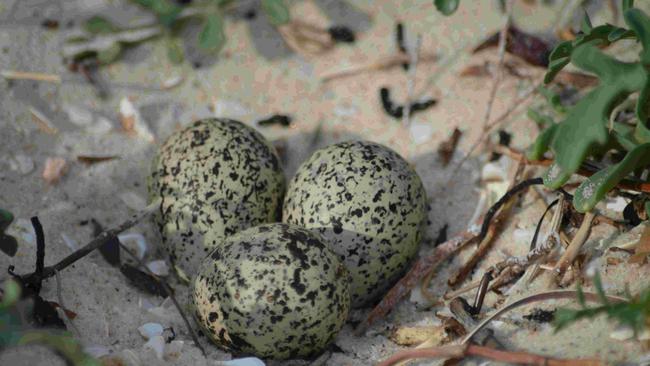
<point>150,330</point>
<point>97,351</point>
<point>157,344</point>
<point>158,267</point>
<point>622,334</point>
<point>173,350</point>
<point>139,241</point>
<point>132,121</point>
<point>247,361</point>
<point>421,132</point>
<point>133,200</point>
<point>69,242</point>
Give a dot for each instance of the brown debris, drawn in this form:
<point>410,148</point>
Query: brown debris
<point>447,148</point>
<point>532,49</point>
<point>43,122</point>
<point>54,169</point>
<point>409,336</point>
<point>89,159</point>
<point>642,248</point>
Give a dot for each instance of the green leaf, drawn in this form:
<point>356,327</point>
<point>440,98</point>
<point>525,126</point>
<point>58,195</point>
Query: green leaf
<point>642,131</point>
<point>554,67</point>
<point>166,10</point>
<point>584,131</point>
<point>640,24</point>
<point>212,37</point>
<point>594,188</point>
<point>11,294</point>
<point>110,54</point>
<point>541,120</point>
<point>586,25</point>
<point>446,7</point>
<point>542,142</point>
<point>276,11</point>
<point>99,25</point>
<point>175,52</point>
<point>6,218</point>
<point>553,99</point>
<point>620,33</point>
<point>627,4</point>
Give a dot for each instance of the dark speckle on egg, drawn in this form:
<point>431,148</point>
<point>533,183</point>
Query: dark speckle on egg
<point>369,203</point>
<point>215,177</point>
<point>295,299</point>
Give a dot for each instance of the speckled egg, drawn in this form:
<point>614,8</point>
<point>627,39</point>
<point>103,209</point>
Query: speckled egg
<point>274,291</point>
<point>369,203</point>
<point>215,177</point>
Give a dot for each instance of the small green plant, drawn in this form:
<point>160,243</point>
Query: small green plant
<point>633,313</point>
<point>106,41</point>
<point>446,7</point>
<point>14,333</point>
<point>589,129</point>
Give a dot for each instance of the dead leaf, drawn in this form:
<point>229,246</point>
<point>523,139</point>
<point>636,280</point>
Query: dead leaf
<point>576,79</point>
<point>613,261</point>
<point>54,169</point>
<point>519,43</point>
<point>409,336</point>
<point>642,248</point>
<point>89,160</point>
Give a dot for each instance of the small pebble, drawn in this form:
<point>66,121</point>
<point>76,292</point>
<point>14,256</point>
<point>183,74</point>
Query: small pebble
<point>23,164</point>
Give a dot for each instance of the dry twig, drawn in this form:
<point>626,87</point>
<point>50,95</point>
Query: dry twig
<point>471,350</point>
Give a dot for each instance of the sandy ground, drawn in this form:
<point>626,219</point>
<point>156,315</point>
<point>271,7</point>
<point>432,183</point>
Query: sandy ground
<point>256,76</point>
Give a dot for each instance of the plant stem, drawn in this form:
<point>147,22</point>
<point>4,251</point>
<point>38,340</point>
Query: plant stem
<point>100,240</point>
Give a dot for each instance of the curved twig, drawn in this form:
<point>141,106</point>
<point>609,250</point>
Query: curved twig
<point>542,296</point>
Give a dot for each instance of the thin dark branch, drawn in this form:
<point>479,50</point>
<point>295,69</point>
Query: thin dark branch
<point>40,255</point>
<point>170,291</point>
<point>100,240</point>
<point>506,197</point>
<point>533,242</point>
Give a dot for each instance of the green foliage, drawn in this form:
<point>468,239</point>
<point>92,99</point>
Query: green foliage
<point>446,7</point>
<point>14,333</point>
<point>106,41</point>
<point>633,314</point>
<point>98,25</point>
<point>212,37</point>
<point>167,11</point>
<point>585,131</point>
<point>276,11</point>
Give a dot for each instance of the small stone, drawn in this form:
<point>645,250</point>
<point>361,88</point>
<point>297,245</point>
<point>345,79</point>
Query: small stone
<point>420,132</point>
<point>22,163</point>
